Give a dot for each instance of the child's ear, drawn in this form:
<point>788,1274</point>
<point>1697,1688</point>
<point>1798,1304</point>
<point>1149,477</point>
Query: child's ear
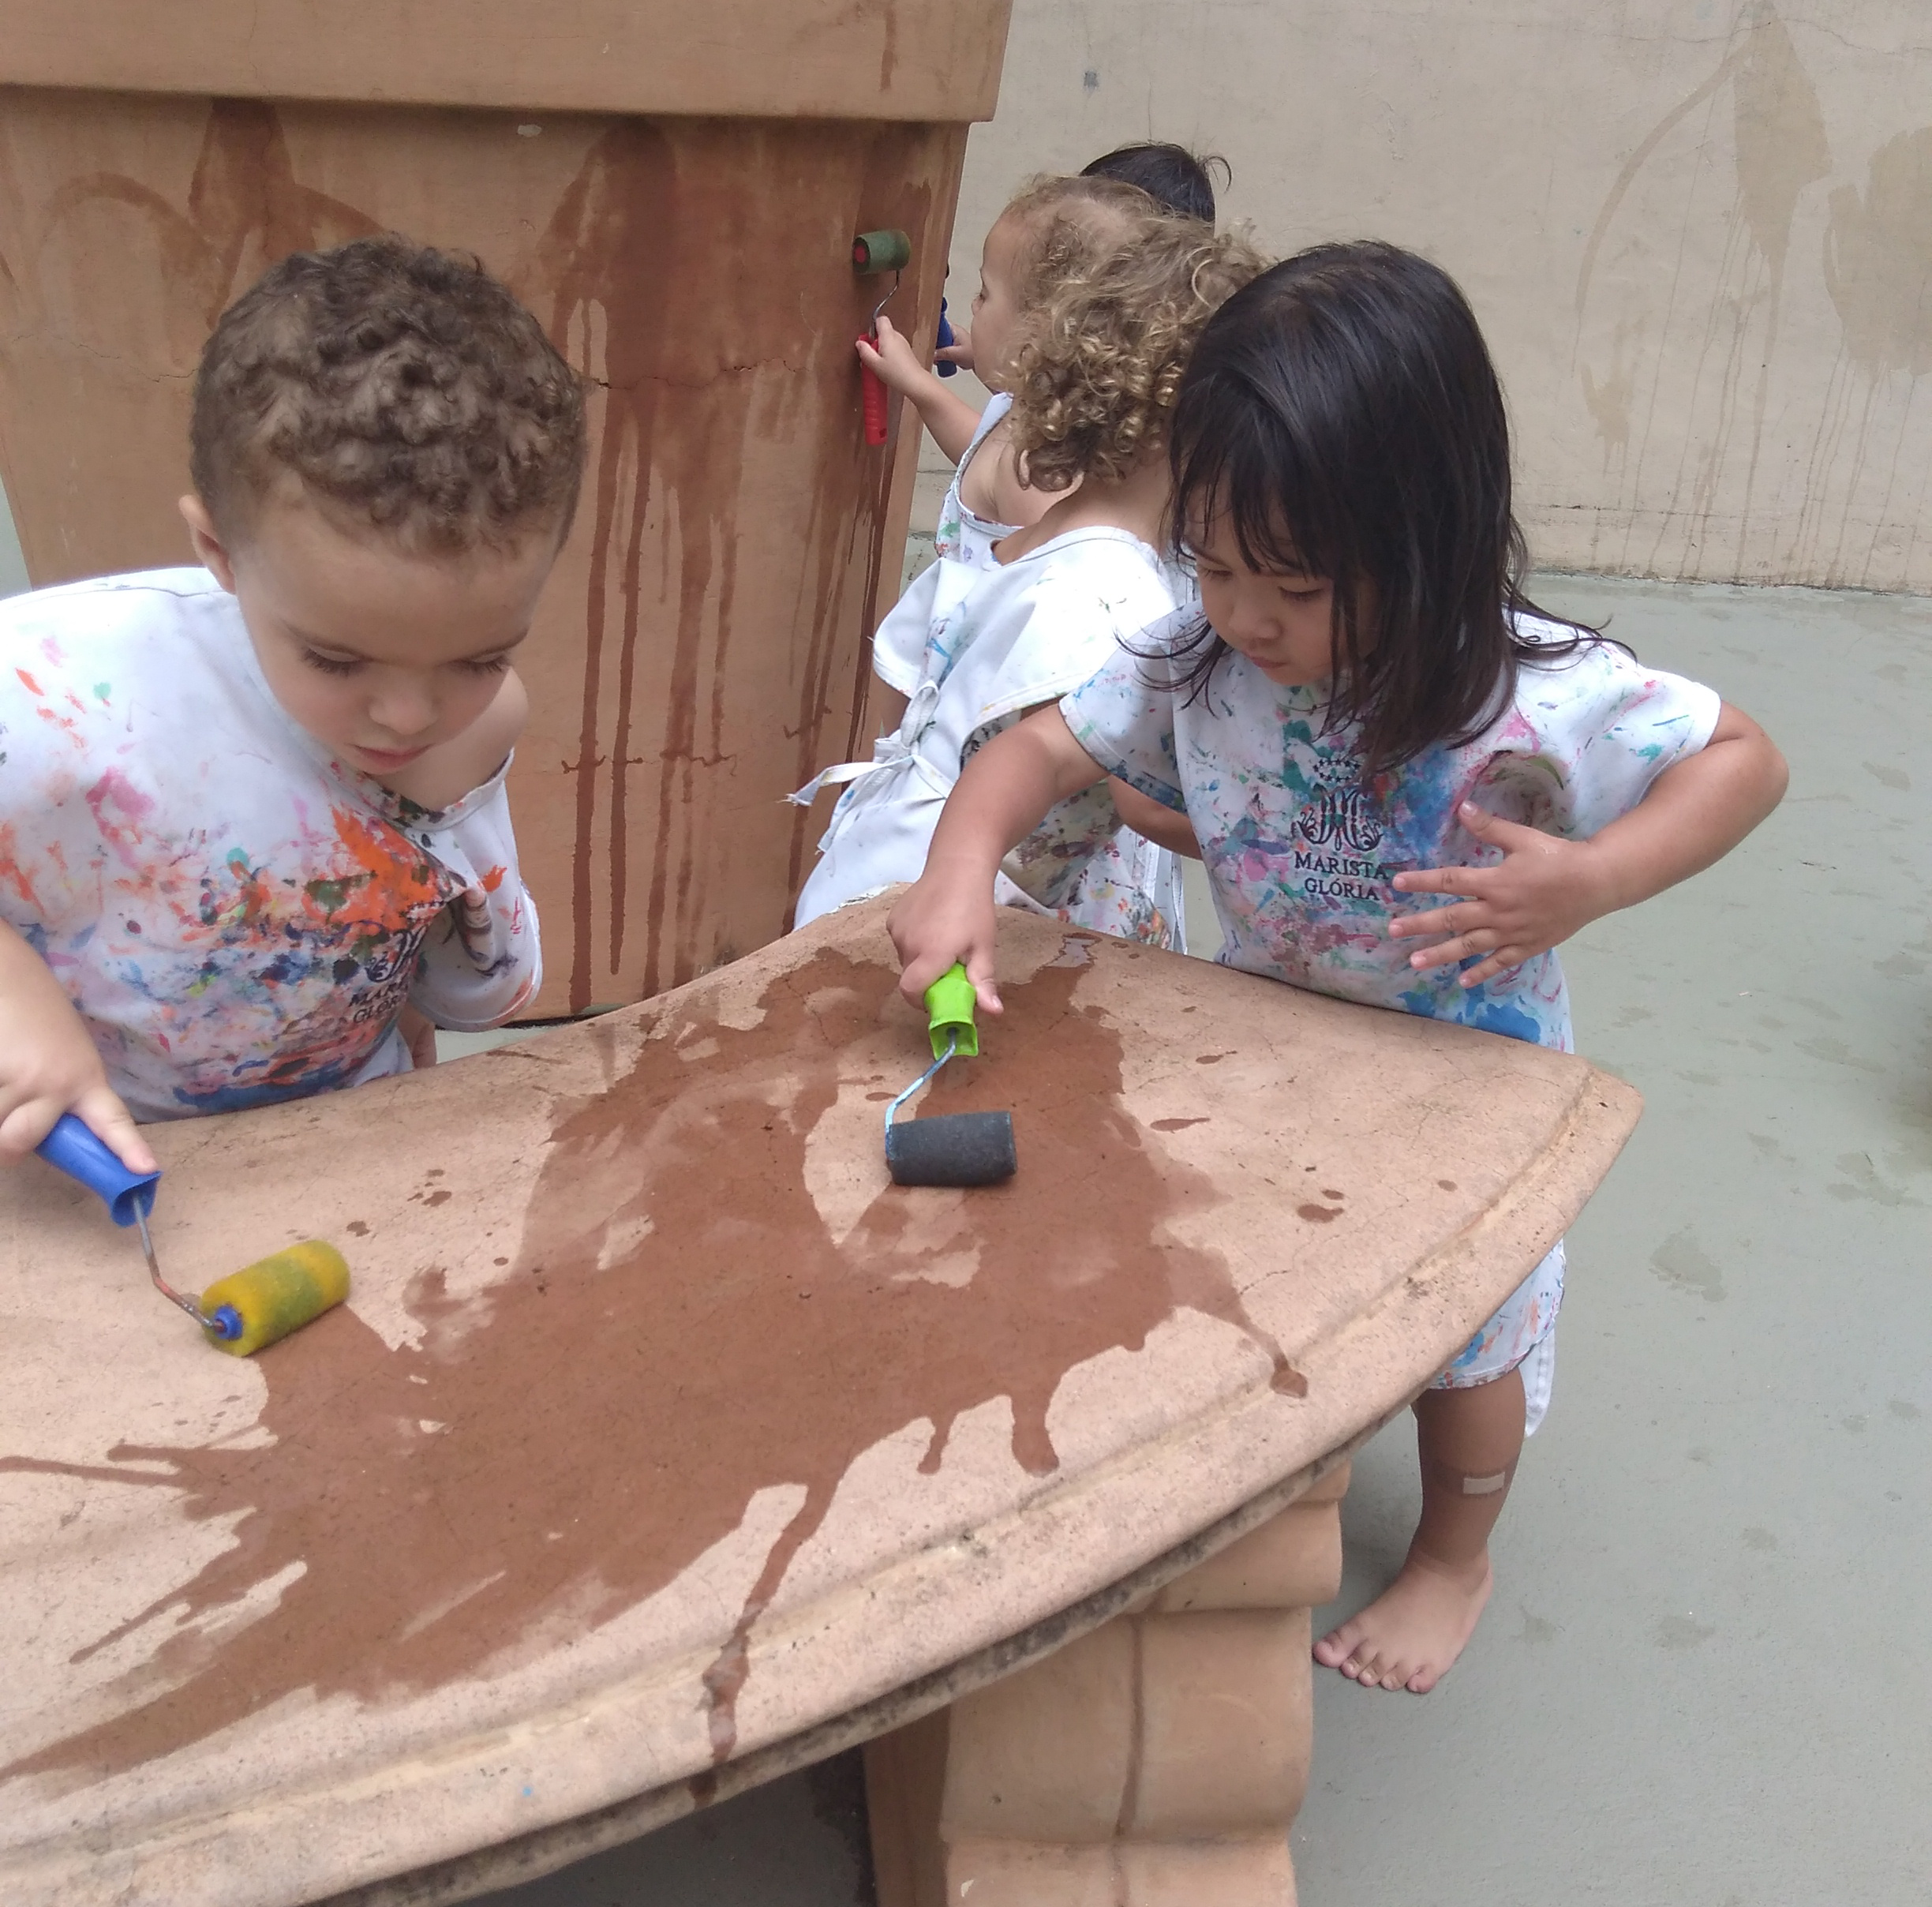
<point>208,548</point>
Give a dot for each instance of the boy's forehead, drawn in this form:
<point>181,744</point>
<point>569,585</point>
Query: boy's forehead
<point>292,524</point>
<point>356,590</point>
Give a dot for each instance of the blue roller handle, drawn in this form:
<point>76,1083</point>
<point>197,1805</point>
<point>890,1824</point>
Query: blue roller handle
<point>945,339</point>
<point>74,1148</point>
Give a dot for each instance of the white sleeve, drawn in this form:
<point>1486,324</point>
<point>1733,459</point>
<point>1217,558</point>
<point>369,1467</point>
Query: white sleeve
<point>1125,721</point>
<point>481,960</point>
<point>1603,728</point>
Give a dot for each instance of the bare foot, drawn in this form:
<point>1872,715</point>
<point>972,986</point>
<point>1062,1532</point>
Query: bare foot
<point>1411,1635</point>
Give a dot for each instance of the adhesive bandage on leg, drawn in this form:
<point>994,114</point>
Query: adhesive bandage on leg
<point>1468,1483</point>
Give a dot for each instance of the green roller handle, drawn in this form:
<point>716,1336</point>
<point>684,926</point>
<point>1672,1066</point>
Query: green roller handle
<point>950,1000</point>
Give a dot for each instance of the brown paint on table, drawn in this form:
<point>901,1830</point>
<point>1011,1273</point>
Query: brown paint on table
<point>679,1331</point>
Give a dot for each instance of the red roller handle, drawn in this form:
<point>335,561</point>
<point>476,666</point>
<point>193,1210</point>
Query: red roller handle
<point>874,388</point>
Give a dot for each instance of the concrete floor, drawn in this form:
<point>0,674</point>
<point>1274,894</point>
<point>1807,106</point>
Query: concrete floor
<point>1705,1681</point>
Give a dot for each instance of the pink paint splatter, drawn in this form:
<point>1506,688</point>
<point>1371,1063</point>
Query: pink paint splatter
<point>119,808</point>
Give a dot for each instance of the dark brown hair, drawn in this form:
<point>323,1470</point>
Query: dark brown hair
<point>1340,414</point>
<point>1182,182</point>
<point>402,384</point>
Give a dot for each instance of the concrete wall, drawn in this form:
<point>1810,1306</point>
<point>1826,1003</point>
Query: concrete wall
<point>1698,234</point>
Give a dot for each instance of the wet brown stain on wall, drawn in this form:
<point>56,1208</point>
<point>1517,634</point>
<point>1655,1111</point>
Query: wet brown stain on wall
<point>1738,443</point>
<point>1878,259</point>
<point>604,256</point>
<point>892,192</point>
<point>1779,142</point>
<point>696,303</point>
<point>246,209</point>
<point>679,1331</point>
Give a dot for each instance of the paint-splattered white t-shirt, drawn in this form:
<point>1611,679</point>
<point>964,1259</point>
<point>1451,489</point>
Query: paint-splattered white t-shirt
<point>237,917</point>
<point>1301,852</point>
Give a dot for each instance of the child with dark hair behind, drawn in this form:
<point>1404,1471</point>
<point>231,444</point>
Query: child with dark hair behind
<point>252,811</point>
<point>1366,705</point>
<point>1183,181</point>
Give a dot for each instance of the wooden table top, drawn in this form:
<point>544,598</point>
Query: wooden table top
<point>660,1427</point>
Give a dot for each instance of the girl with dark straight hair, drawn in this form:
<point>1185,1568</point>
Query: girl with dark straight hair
<point>1363,706</point>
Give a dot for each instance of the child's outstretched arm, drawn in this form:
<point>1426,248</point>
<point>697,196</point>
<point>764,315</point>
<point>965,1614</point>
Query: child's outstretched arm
<point>1155,822</point>
<point>948,915</point>
<point>49,1066</point>
<point>1545,888</point>
<point>951,420</point>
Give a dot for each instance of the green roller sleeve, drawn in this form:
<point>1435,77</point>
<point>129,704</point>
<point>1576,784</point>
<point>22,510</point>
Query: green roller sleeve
<point>886,251</point>
<point>950,1000</point>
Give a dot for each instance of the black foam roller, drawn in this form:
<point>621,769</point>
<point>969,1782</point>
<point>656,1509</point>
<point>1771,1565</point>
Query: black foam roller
<point>952,1148</point>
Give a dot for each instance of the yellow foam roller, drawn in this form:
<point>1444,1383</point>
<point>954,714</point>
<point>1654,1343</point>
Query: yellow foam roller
<point>272,1297</point>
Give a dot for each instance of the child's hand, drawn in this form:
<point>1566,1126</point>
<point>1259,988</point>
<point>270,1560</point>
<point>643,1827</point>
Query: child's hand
<point>49,1066</point>
<point>893,360</point>
<point>938,921</point>
<point>960,351</point>
<point>1540,893</point>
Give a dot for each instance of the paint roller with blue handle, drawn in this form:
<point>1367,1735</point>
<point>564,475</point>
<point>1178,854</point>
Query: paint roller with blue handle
<point>239,1313</point>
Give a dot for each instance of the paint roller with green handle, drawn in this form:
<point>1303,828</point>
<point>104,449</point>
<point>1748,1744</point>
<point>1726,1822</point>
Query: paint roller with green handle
<point>950,1149</point>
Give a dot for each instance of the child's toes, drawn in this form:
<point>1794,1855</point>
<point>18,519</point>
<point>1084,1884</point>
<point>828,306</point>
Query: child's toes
<point>1336,1650</point>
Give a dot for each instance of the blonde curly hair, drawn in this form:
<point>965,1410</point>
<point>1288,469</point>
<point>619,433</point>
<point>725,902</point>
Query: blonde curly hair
<point>1115,290</point>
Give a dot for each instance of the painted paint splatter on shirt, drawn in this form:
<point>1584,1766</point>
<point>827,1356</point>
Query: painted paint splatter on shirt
<point>237,918</point>
<point>1301,849</point>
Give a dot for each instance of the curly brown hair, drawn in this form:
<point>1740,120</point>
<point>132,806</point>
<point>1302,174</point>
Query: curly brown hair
<point>1115,289</point>
<point>403,384</point>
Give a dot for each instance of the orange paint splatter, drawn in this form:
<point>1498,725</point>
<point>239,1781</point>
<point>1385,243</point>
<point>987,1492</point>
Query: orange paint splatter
<point>11,871</point>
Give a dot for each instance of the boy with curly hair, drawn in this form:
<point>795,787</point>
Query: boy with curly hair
<point>250,812</point>
<point>1115,290</point>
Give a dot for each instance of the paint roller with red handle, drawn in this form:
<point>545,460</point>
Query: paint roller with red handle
<point>873,253</point>
<point>873,386</point>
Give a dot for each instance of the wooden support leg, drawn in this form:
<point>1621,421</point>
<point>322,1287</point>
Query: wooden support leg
<point>1156,1762</point>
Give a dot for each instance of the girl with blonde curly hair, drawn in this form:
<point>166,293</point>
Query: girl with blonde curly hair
<point>989,497</point>
<point>1114,290</point>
